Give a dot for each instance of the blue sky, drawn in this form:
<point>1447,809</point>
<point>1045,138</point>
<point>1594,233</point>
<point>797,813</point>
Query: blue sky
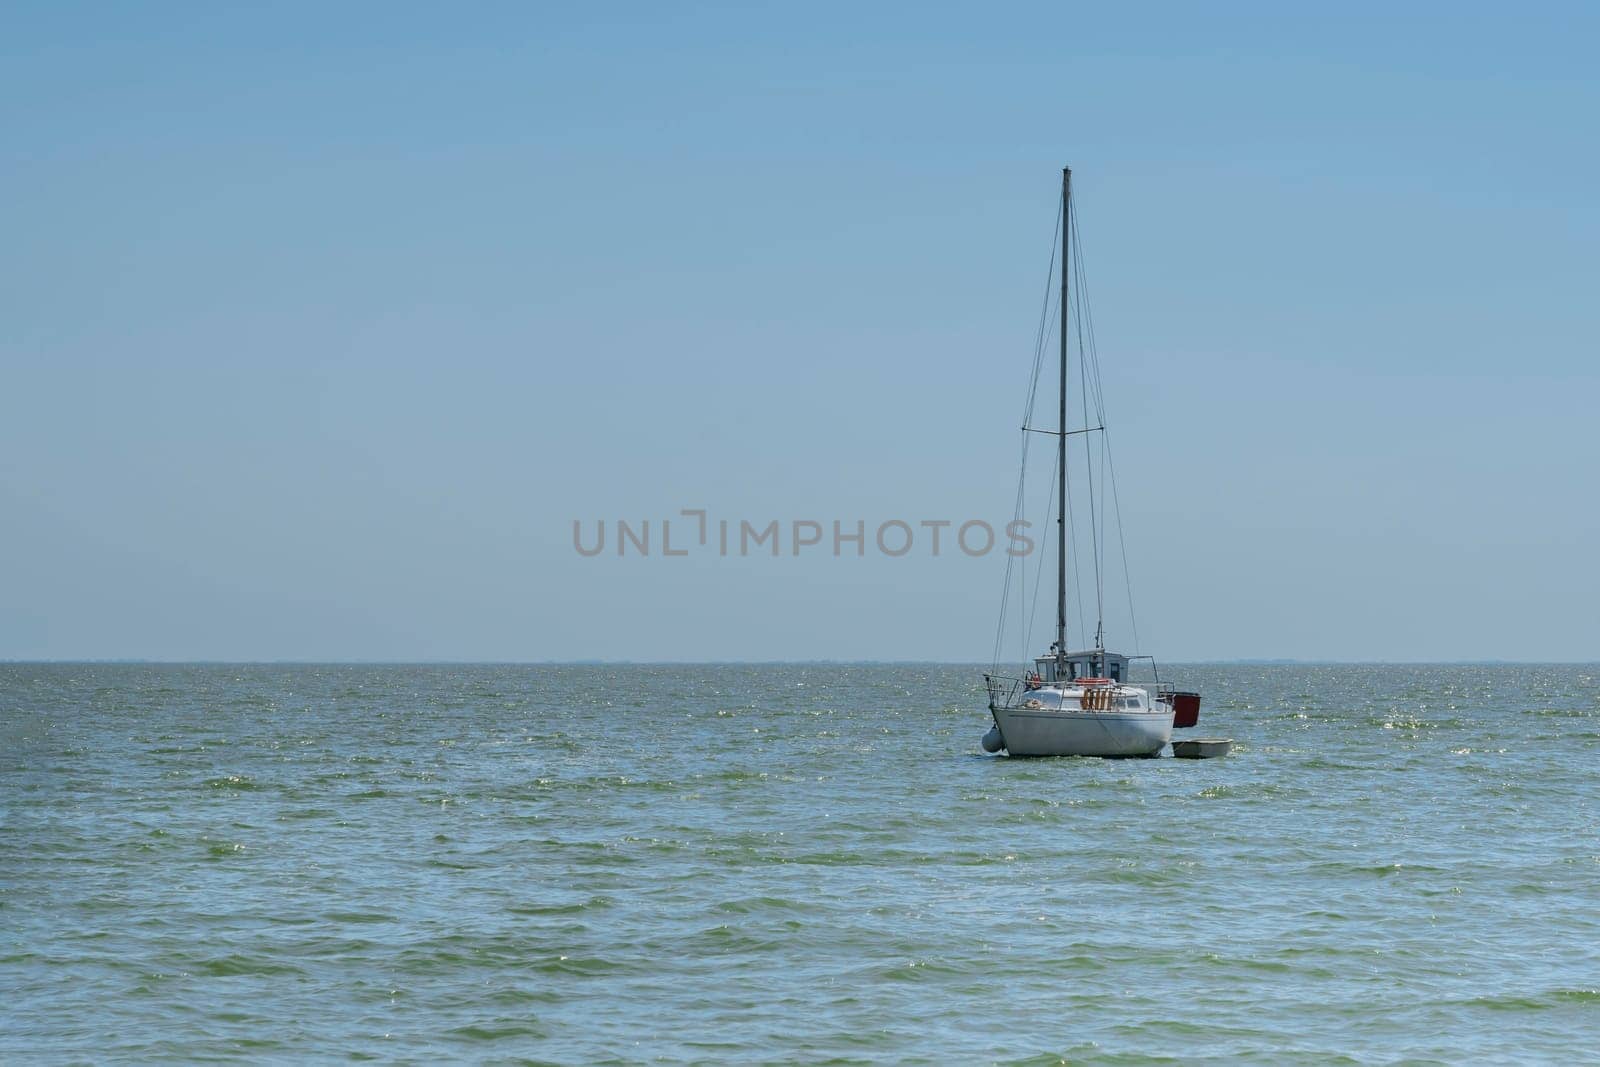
<point>319,325</point>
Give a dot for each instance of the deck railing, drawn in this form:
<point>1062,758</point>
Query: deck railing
<point>1003,692</point>
<point>1007,692</point>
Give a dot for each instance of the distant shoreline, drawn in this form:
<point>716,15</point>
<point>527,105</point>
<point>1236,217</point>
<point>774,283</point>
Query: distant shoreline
<point>763,663</point>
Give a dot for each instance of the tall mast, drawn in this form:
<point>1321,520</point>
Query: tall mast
<point>1061,428</point>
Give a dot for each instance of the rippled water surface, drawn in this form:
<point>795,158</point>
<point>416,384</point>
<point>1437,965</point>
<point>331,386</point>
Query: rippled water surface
<point>795,862</point>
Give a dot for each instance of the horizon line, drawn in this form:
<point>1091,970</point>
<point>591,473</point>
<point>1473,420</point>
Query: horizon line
<point>1276,661</point>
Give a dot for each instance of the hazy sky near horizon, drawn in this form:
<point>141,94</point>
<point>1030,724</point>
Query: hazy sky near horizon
<point>320,325</point>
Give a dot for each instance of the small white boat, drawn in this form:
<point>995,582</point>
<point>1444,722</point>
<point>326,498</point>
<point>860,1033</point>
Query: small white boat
<point>1202,747</point>
<point>1078,703</point>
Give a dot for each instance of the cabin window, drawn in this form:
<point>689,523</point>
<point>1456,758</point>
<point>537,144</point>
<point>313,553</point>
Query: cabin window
<point>1130,702</point>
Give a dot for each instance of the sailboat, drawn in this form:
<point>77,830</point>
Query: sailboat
<point>1084,702</point>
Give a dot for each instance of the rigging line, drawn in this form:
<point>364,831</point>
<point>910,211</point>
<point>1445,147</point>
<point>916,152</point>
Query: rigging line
<point>1017,513</point>
<point>1100,574</point>
<point>1077,573</point>
<point>1026,632</point>
<point>1088,456</point>
<point>1011,561</point>
<point>1099,385</point>
<point>1081,271</point>
<point>1018,505</point>
<point>1081,277</point>
<point>1072,538</point>
<point>1087,317</point>
<point>1038,572</point>
<point>1039,338</point>
<point>1095,383</point>
<point>1027,417</point>
<point>1005,587</point>
<point>1107,468</point>
<point>1122,544</point>
<point>1042,333</point>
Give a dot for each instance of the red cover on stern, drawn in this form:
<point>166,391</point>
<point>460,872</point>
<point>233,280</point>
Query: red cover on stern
<point>1185,710</point>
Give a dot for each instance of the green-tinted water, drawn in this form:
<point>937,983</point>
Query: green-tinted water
<point>795,862</point>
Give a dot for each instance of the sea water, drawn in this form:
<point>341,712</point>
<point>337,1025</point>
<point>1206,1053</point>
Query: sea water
<point>816,862</point>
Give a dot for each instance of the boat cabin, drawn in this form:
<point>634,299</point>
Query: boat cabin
<point>1089,664</point>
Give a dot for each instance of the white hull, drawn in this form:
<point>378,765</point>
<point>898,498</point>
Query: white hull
<point>1072,732</point>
